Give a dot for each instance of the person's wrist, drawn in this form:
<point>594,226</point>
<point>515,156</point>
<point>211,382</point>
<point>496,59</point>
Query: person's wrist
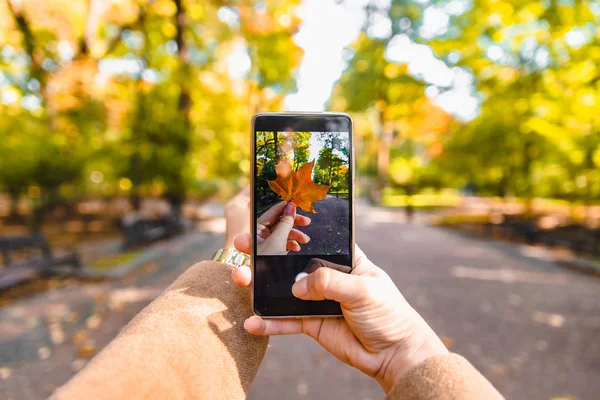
<point>420,346</point>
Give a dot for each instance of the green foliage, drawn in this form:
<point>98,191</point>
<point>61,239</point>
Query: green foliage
<point>267,155</point>
<point>332,165</point>
<point>137,97</point>
<point>534,66</point>
<point>538,130</point>
<point>301,148</point>
<point>134,98</point>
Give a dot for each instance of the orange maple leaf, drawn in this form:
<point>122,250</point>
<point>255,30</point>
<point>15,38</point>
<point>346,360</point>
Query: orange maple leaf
<point>297,187</point>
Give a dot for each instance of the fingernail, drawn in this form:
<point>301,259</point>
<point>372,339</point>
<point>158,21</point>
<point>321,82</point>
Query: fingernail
<point>247,324</point>
<point>306,237</point>
<point>289,209</point>
<point>300,288</point>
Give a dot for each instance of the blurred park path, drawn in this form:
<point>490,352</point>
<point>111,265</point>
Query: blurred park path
<point>530,327</point>
<point>49,336</point>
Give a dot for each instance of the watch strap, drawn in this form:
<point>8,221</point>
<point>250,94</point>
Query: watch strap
<point>232,257</point>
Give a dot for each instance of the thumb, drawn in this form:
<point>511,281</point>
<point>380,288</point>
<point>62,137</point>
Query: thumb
<point>329,283</point>
<point>284,226</point>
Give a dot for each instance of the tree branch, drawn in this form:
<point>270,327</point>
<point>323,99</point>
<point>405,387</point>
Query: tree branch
<point>23,26</point>
<point>261,148</point>
<point>89,30</point>
<point>112,44</point>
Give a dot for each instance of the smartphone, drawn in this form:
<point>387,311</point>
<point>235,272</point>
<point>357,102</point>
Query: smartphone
<point>306,159</point>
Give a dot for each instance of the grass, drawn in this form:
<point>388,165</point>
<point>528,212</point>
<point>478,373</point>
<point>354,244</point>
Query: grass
<point>421,201</point>
<point>113,260</point>
<point>452,220</point>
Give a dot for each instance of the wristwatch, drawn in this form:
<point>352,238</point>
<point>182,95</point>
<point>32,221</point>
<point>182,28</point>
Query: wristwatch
<point>232,257</point>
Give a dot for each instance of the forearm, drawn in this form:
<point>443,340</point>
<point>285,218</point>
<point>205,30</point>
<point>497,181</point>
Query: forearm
<point>444,377</point>
<point>190,342</point>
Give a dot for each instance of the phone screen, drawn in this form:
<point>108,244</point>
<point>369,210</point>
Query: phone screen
<point>302,164</point>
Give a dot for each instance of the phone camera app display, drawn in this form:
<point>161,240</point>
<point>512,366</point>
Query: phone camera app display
<point>303,177</point>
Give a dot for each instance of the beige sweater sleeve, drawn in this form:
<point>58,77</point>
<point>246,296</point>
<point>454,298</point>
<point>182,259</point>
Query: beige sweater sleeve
<point>188,343</point>
<point>447,377</point>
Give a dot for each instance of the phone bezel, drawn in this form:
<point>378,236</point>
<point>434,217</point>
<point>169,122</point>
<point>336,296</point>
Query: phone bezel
<point>270,121</point>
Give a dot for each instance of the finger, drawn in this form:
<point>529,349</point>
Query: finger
<point>242,276</point>
<point>359,255</point>
<point>364,266</point>
<point>243,242</point>
<point>242,199</point>
<point>258,326</point>
<point>316,263</point>
<point>282,230</point>
<point>245,192</point>
<point>271,216</point>
<point>302,220</point>
<point>330,284</point>
<point>262,231</point>
<point>300,237</point>
<point>292,245</point>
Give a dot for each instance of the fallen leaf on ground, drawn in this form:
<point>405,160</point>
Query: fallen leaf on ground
<point>44,353</point>
<point>101,298</point>
<point>447,342</point>
<point>498,369</point>
<point>298,187</point>
<point>72,317</point>
<point>5,373</point>
<point>93,322</point>
<point>87,350</point>
<point>57,334</point>
<point>80,337</point>
<point>78,364</point>
<point>554,320</point>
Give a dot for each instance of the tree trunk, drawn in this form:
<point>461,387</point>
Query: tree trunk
<point>176,195</point>
<point>589,167</point>
<point>14,195</point>
<point>275,147</point>
<point>185,100</point>
<point>135,197</point>
<point>527,162</point>
<point>383,153</point>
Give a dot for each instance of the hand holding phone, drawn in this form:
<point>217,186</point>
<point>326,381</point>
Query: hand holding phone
<point>380,334</point>
<point>302,205</point>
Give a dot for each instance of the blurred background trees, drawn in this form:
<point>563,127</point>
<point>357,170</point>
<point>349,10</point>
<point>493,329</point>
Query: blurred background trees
<point>136,98</point>
<point>153,98</point>
<point>530,66</point>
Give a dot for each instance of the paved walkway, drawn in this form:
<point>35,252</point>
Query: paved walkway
<point>533,329</point>
<point>48,337</point>
<point>325,232</point>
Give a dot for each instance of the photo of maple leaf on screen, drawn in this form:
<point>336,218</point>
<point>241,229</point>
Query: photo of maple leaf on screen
<point>298,187</point>
<point>310,170</point>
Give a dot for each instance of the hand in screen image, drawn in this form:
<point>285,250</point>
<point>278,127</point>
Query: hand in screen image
<point>275,233</point>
